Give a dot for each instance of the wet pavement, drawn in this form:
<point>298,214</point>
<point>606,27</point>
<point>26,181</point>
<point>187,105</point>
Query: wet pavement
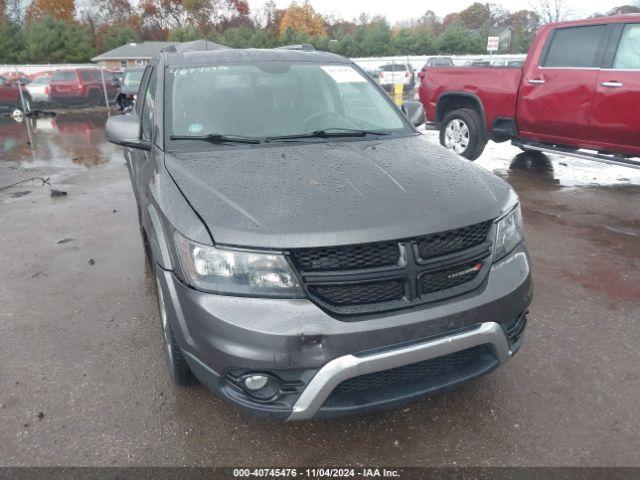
<point>83,381</point>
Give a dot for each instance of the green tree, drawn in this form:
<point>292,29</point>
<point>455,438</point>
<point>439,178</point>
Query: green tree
<point>376,37</point>
<point>11,42</point>
<point>119,36</point>
<point>56,41</point>
<point>235,37</point>
<point>184,34</point>
<point>458,40</point>
<point>263,39</point>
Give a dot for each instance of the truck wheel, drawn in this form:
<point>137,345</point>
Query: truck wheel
<point>461,131</point>
<point>178,368</point>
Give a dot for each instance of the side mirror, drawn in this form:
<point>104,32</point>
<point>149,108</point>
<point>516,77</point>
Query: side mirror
<point>125,130</point>
<point>414,112</point>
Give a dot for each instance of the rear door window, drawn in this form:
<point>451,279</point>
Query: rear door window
<point>628,54</point>
<point>577,47</point>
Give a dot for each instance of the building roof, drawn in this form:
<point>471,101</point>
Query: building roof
<point>134,51</point>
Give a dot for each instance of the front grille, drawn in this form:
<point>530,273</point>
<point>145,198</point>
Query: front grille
<point>443,243</point>
<point>411,373</point>
<point>449,277</point>
<point>347,257</point>
<point>376,277</point>
<point>359,294</point>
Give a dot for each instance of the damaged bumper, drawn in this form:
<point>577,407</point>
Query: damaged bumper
<point>320,366</point>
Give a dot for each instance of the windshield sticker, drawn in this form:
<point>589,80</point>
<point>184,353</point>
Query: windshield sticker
<point>195,128</point>
<point>342,74</point>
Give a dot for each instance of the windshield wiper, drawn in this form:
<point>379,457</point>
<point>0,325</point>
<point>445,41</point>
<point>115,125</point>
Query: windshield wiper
<point>217,138</point>
<point>329,133</point>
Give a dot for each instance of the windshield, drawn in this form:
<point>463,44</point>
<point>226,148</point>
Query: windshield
<point>42,81</point>
<point>132,79</point>
<point>274,99</point>
<point>394,68</point>
<point>64,76</point>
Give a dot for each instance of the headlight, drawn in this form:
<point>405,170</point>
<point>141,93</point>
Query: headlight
<point>509,233</point>
<point>236,272</point>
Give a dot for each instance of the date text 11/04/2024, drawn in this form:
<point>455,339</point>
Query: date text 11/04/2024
<point>316,472</point>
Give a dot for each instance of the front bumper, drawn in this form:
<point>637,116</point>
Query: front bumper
<point>308,352</point>
<point>350,366</point>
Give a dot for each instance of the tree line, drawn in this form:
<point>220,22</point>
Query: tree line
<point>56,31</point>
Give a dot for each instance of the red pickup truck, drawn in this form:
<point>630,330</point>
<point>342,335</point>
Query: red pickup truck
<point>579,89</point>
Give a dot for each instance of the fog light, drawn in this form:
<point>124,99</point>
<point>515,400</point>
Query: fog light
<point>256,382</point>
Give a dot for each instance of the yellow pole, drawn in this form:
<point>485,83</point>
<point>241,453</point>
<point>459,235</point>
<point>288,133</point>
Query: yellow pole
<point>397,93</point>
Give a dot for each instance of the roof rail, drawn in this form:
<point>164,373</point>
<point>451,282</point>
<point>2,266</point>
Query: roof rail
<point>194,46</point>
<point>307,47</point>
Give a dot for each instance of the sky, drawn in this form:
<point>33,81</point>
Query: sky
<point>396,10</point>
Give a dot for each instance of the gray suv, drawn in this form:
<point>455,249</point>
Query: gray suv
<point>313,254</point>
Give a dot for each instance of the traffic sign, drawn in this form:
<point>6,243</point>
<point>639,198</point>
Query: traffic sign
<point>492,44</point>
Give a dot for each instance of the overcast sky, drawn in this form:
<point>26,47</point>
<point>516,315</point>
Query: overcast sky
<point>396,10</point>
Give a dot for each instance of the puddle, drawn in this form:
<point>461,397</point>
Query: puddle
<point>553,171</point>
<point>74,139</point>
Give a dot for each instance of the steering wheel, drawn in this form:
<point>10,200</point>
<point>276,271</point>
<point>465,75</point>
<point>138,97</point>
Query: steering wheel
<point>307,122</point>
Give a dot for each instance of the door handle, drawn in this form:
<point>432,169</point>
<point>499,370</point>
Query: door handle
<point>612,84</point>
<point>535,81</point>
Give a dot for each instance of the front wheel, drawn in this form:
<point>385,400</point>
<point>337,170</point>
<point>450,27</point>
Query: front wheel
<point>461,131</point>
<point>178,369</point>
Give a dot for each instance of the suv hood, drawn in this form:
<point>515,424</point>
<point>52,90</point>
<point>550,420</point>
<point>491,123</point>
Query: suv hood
<point>335,193</point>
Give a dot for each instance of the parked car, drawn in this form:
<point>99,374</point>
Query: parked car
<point>439,62</point>
<point>77,86</point>
<point>129,87</point>
<point>306,258</point>
<point>578,89</point>
<point>395,73</point>
<point>39,89</point>
<point>10,96</point>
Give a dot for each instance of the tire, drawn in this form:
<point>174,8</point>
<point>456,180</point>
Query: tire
<point>179,370</point>
<point>95,98</point>
<point>461,132</point>
<point>27,103</point>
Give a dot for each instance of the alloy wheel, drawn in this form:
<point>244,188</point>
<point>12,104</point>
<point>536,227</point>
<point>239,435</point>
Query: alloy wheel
<point>456,136</point>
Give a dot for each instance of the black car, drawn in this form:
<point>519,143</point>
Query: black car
<point>129,87</point>
<point>313,254</point>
